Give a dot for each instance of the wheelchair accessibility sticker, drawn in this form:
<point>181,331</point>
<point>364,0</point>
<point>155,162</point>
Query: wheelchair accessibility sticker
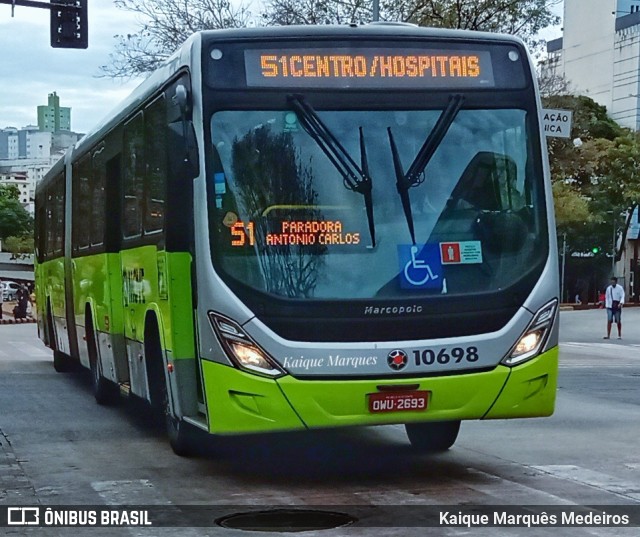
<point>420,266</point>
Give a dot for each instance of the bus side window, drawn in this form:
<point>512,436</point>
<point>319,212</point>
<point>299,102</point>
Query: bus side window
<point>155,124</point>
<point>48,225</point>
<point>81,192</point>
<point>39,236</point>
<point>98,197</point>
<point>58,216</point>
<point>133,180</point>
<point>113,177</point>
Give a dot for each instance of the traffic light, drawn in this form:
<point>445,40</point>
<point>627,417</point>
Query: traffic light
<point>69,24</point>
<point>595,249</point>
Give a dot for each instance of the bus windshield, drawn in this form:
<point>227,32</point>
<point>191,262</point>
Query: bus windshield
<point>347,214</point>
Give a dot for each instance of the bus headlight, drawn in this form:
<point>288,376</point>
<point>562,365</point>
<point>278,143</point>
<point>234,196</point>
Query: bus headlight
<point>241,349</point>
<point>533,338</point>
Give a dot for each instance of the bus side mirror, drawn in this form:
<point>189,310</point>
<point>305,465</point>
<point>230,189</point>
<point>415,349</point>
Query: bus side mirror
<point>182,99</point>
<point>189,141</point>
<point>191,158</point>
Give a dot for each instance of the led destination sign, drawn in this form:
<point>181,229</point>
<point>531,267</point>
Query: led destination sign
<point>301,233</point>
<point>368,68</point>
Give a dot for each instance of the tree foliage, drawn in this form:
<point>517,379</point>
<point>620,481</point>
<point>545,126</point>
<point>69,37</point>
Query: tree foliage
<point>571,208</point>
<point>19,245</point>
<point>597,168</point>
<point>165,24</point>
<point>517,17</point>
<point>14,219</point>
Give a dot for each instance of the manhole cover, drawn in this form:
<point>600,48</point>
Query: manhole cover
<point>286,520</point>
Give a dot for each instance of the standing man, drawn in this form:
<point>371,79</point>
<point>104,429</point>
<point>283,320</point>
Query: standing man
<point>614,298</point>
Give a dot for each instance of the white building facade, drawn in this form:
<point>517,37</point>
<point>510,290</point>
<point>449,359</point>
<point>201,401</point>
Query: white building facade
<point>25,174</point>
<point>599,55</point>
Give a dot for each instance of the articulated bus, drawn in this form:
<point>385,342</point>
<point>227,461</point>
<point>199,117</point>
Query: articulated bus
<point>307,227</point>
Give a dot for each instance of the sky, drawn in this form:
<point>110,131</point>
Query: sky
<point>30,69</point>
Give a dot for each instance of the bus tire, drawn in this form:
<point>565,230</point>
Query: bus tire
<point>105,392</point>
<point>179,432</point>
<point>62,363</point>
<point>432,437</point>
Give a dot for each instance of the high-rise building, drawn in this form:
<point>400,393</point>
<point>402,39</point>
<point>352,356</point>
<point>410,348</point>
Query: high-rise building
<point>53,117</point>
<point>599,55</point>
<point>26,143</point>
<point>9,143</point>
<point>27,154</point>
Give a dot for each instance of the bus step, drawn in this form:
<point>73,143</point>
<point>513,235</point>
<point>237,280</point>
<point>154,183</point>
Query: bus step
<point>196,421</point>
<point>125,389</point>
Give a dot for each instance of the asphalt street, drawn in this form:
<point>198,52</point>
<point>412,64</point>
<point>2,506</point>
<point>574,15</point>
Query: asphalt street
<point>59,447</point>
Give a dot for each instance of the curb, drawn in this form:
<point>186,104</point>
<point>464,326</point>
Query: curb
<point>17,321</point>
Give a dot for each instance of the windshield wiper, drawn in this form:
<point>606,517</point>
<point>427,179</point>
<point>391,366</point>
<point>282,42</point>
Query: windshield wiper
<point>415,174</point>
<point>355,178</point>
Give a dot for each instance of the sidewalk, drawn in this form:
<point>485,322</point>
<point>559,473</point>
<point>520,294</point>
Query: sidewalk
<point>7,315</point>
<point>571,307</point>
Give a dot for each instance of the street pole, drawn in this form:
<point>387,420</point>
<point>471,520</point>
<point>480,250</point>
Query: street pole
<point>613,255</point>
<point>564,254</point>
<point>376,11</point>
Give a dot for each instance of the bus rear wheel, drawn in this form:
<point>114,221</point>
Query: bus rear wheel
<point>433,437</point>
<point>104,391</point>
<point>62,362</point>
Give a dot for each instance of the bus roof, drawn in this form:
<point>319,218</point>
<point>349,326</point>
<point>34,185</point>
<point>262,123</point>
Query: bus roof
<point>374,29</point>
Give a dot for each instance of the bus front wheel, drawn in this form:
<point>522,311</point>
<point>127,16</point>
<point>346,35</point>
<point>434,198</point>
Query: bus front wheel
<point>179,432</point>
<point>432,437</point>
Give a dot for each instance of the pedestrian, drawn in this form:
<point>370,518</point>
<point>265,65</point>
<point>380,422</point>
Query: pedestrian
<point>23,298</point>
<point>614,299</point>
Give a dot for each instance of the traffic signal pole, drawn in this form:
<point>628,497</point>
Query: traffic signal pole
<point>564,254</point>
<point>69,27</point>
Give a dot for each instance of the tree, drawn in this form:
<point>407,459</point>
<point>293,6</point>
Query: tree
<point>19,245</point>
<point>14,219</point>
<point>518,17</point>
<point>165,24</point>
<point>597,169</point>
<point>574,157</point>
<point>571,208</point>
<point>618,189</point>
<point>289,12</point>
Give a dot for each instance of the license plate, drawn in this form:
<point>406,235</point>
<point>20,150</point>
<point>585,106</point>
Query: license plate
<point>398,402</point>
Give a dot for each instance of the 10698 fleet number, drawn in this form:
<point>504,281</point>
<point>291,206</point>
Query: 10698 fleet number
<point>446,356</point>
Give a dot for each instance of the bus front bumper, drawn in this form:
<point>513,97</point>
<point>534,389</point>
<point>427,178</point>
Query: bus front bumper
<point>239,402</point>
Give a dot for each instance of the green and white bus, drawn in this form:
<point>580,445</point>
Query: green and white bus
<point>306,227</point>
